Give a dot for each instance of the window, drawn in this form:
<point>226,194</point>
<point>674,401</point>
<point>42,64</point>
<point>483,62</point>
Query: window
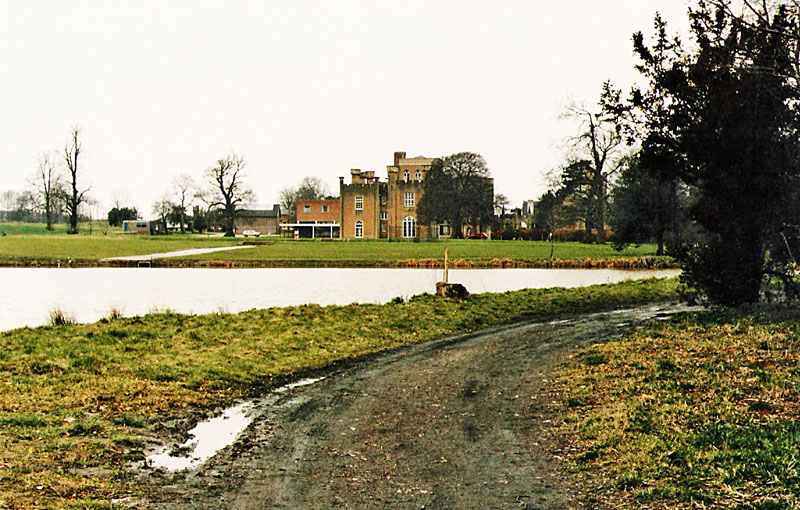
<point>324,208</point>
<point>409,199</point>
<point>359,228</point>
<point>383,199</point>
<point>417,176</point>
<point>306,208</point>
<point>359,203</point>
<point>406,175</point>
<point>409,227</point>
<point>384,215</point>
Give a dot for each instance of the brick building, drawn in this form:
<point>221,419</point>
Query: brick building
<point>265,221</point>
<point>371,209</point>
<point>315,218</point>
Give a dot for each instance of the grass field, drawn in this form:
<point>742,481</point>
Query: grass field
<point>384,252</point>
<point>701,412</point>
<point>47,248</point>
<point>77,402</point>
<point>25,244</point>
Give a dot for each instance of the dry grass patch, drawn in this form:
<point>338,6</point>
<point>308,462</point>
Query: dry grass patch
<point>700,412</point>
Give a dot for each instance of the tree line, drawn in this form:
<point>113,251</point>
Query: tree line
<point>57,192</point>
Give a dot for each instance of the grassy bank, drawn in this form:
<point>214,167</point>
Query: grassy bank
<point>85,250</point>
<point>701,412</point>
<point>59,250</point>
<point>77,402</point>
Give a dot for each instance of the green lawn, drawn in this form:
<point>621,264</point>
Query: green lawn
<point>78,401</point>
<point>380,252</point>
<point>49,247</point>
<point>700,412</point>
<point>30,244</point>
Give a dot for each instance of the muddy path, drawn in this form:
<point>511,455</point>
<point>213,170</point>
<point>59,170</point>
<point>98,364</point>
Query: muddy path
<point>461,422</point>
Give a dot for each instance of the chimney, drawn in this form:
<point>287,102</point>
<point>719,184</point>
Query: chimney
<point>398,156</point>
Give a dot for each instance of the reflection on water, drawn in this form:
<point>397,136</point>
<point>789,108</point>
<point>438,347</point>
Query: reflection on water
<point>210,436</point>
<point>29,294</point>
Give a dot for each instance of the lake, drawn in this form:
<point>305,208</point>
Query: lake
<point>28,295</point>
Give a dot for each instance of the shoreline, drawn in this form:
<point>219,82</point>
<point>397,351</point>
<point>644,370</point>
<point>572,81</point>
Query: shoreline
<point>645,262</point>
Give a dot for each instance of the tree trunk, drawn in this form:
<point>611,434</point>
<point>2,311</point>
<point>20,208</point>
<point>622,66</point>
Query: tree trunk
<point>73,219</point>
<point>48,214</point>
<point>458,228</point>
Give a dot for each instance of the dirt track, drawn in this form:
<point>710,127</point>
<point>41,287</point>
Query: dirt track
<point>463,422</point>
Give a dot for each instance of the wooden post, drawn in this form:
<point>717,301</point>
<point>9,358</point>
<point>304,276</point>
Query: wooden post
<point>445,265</point>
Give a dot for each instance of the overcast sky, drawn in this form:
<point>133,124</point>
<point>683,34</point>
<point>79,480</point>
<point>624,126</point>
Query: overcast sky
<point>305,87</point>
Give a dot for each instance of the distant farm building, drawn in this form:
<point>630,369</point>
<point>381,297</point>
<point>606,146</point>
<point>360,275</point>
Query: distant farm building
<point>265,221</point>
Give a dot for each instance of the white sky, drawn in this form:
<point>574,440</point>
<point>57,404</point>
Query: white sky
<point>305,87</point>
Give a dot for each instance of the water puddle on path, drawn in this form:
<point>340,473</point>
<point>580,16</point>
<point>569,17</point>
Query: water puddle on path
<point>210,436</point>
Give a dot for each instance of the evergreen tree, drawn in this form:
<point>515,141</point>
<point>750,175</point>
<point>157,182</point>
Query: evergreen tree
<point>644,208</point>
<point>724,120</point>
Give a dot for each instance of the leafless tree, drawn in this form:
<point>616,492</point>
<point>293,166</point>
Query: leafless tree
<point>182,187</point>
<point>500,204</point>
<point>288,202</point>
<point>120,198</point>
<point>8,199</point>
<point>311,188</point>
<point>162,208</point>
<point>228,192</point>
<point>47,187</point>
<point>74,195</point>
<point>602,145</point>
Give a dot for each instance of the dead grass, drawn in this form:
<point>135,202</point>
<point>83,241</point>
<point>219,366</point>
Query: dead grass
<point>702,412</point>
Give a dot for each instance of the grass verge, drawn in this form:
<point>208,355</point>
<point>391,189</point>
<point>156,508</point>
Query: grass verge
<point>700,412</point>
<point>78,401</point>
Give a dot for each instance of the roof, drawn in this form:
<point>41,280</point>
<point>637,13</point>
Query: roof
<point>275,212</point>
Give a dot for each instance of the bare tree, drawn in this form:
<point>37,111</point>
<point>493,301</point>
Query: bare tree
<point>312,188</point>
<point>74,196</point>
<point>120,198</point>
<point>603,147</point>
<point>182,186</point>
<point>162,208</point>
<point>288,202</point>
<point>228,191</point>
<point>47,185</point>
<point>8,199</point>
<point>500,204</point>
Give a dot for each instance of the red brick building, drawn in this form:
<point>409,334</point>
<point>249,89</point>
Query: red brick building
<point>371,209</point>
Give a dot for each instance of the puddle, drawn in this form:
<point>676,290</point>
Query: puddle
<point>210,436</point>
<point>301,382</point>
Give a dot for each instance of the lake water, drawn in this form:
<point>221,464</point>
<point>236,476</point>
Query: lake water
<point>28,295</point>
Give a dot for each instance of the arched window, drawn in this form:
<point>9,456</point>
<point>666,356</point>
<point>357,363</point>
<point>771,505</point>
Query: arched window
<point>417,176</point>
<point>406,175</point>
<point>359,228</point>
<point>409,227</point>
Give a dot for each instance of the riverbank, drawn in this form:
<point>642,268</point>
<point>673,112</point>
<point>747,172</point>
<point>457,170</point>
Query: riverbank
<point>702,411</point>
<point>81,403</point>
<point>646,262</point>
